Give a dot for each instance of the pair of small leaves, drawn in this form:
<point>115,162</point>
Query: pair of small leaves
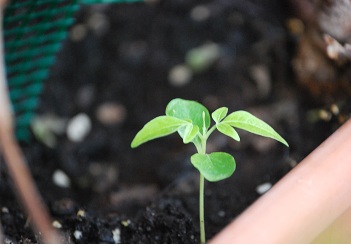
<point>245,121</point>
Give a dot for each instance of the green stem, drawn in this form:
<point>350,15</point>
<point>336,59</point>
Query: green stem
<point>201,210</point>
<point>208,133</point>
<point>202,150</point>
<point>201,194</point>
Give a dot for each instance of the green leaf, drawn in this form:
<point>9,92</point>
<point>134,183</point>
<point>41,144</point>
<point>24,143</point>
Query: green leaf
<point>159,127</point>
<point>219,114</point>
<point>188,110</point>
<point>248,122</point>
<point>228,130</point>
<point>215,166</point>
<point>190,133</point>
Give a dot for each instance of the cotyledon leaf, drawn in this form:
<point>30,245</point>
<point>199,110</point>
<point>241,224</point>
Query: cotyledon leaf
<point>215,166</point>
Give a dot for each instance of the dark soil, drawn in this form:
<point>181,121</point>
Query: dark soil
<point>122,55</point>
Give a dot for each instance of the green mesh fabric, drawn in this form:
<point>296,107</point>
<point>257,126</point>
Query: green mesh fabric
<point>33,33</point>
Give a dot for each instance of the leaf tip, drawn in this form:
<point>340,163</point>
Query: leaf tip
<point>133,145</point>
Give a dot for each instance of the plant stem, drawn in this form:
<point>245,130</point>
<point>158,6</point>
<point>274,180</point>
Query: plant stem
<point>201,193</point>
<point>201,210</point>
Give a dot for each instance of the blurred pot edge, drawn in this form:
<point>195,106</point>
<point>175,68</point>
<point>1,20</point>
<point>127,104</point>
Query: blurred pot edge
<point>312,202</point>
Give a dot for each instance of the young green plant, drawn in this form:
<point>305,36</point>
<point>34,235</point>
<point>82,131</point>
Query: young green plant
<point>192,121</point>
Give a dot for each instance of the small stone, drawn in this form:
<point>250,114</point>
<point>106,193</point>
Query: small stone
<point>125,223</point>
<point>78,127</point>
<point>61,179</point>
<point>111,113</point>
<point>221,213</point>
<point>81,213</point>
<point>263,188</point>
<point>77,234</point>
<point>260,74</point>
<point>325,115</point>
<point>180,75</point>
<point>116,235</point>
<point>334,109</point>
<point>78,32</point>
<point>5,210</point>
<point>99,23</point>
<point>295,26</point>
<point>56,224</point>
<point>200,13</point>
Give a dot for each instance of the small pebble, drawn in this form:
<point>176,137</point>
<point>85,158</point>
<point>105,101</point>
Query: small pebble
<point>61,179</point>
<point>56,224</point>
<point>5,210</point>
<point>116,235</point>
<point>325,115</point>
<point>200,13</point>
<point>125,223</point>
<point>78,127</point>
<point>221,213</point>
<point>81,213</point>
<point>260,74</point>
<point>295,26</point>
<point>180,75</point>
<point>77,234</point>
<point>99,23</point>
<point>78,32</point>
<point>334,109</point>
<point>111,113</point>
<point>263,188</point>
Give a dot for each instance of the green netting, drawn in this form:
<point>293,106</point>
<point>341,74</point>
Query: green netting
<point>33,33</point>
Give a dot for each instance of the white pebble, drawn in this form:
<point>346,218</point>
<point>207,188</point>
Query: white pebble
<point>56,224</point>
<point>78,127</point>
<point>116,235</point>
<point>77,234</point>
<point>81,213</point>
<point>61,179</point>
<point>263,188</point>
<point>5,210</point>
<point>180,75</point>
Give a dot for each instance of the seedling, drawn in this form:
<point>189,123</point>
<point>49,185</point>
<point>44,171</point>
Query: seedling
<point>192,121</point>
